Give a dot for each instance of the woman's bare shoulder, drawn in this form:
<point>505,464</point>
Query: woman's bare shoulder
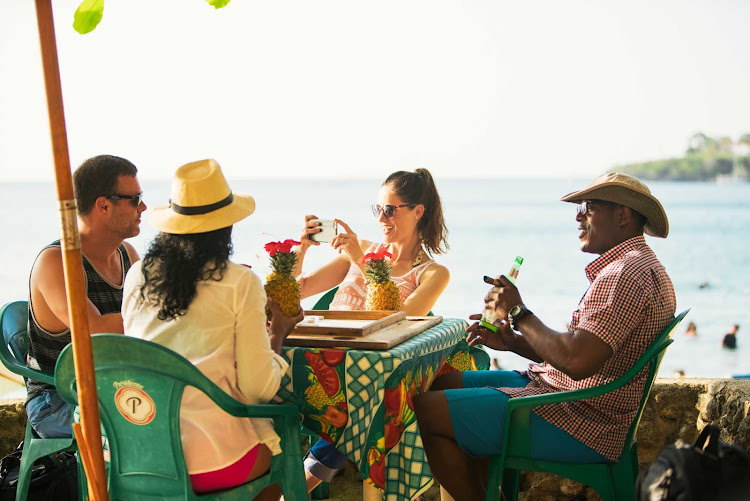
<point>436,271</point>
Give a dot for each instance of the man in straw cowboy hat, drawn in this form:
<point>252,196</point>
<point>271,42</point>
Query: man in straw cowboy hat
<point>109,201</point>
<point>630,300</point>
<point>186,294</point>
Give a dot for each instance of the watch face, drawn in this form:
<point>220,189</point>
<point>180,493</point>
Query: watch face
<point>515,310</point>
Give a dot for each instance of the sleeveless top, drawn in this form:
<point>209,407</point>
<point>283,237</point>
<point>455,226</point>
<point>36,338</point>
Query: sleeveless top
<point>353,290</point>
<point>44,346</point>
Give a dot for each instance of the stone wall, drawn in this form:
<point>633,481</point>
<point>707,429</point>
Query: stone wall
<point>12,424</point>
<point>677,408</point>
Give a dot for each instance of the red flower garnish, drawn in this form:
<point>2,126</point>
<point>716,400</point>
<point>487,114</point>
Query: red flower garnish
<point>286,246</point>
<point>382,253</point>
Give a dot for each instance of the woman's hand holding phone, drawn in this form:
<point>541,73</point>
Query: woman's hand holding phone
<point>349,243</point>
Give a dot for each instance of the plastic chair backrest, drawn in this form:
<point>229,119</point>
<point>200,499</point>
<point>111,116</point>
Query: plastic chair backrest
<point>325,300</point>
<point>14,319</point>
<point>140,386</point>
<point>14,348</point>
<point>653,357</point>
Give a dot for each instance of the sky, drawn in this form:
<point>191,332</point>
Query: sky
<point>338,88</point>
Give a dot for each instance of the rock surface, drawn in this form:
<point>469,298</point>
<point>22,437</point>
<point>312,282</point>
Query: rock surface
<point>12,424</point>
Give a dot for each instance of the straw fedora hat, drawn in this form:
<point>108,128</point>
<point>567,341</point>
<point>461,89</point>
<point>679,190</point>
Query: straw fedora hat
<point>628,191</point>
<point>201,201</point>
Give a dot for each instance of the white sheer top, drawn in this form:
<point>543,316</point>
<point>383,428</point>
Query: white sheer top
<point>223,333</point>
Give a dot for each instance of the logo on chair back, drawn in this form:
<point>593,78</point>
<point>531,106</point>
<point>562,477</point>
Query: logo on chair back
<point>134,404</point>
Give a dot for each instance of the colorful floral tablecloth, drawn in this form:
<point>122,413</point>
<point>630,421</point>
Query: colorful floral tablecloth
<point>361,401</point>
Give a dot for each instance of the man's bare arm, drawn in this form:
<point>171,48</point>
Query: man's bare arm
<point>50,299</point>
<point>578,354</point>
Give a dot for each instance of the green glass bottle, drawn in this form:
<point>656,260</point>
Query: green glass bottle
<point>489,315</point>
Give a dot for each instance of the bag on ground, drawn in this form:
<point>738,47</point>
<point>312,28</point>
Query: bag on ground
<point>52,477</point>
<point>708,470</point>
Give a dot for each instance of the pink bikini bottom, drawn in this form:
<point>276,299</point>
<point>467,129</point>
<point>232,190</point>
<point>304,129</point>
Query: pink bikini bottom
<point>231,476</point>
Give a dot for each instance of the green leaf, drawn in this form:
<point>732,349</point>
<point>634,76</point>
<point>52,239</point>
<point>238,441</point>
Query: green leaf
<point>218,4</point>
<point>88,15</point>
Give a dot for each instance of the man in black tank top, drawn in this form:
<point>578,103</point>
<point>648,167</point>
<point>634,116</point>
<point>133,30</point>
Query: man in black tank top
<point>109,203</point>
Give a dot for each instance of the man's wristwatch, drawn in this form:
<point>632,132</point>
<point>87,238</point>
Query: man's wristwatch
<point>517,313</point>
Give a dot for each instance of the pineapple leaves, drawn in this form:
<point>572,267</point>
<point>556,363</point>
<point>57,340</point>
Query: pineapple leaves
<point>89,14</point>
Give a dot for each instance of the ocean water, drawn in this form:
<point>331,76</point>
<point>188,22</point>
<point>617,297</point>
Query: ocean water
<point>490,222</point>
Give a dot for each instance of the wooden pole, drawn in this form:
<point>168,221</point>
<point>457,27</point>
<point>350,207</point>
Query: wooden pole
<point>71,250</point>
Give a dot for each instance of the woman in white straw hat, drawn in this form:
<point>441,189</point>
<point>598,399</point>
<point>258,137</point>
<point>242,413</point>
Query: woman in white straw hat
<point>188,296</point>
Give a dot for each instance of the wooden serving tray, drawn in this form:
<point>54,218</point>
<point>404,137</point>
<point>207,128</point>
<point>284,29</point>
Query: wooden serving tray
<point>379,339</point>
<point>348,323</point>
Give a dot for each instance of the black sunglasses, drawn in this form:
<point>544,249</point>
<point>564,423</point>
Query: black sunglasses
<point>135,200</point>
<point>389,210</point>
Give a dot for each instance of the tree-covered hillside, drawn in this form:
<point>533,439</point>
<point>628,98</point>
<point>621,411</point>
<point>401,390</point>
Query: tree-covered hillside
<point>706,159</point>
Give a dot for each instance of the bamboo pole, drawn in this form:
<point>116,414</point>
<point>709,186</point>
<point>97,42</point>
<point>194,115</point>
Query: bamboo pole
<point>12,380</point>
<point>92,481</point>
<point>71,250</point>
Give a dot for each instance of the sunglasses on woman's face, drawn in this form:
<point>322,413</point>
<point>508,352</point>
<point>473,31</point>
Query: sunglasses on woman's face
<point>135,200</point>
<point>388,210</point>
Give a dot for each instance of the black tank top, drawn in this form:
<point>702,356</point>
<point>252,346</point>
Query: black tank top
<point>45,347</point>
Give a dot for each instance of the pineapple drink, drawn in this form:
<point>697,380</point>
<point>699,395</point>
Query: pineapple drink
<point>281,286</point>
<point>382,294</point>
<point>488,314</point>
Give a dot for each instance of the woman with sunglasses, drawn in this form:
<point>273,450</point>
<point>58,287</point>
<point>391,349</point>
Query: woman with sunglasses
<point>411,220</point>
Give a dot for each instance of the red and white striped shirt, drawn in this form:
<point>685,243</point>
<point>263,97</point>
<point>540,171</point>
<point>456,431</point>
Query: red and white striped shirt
<point>629,302</point>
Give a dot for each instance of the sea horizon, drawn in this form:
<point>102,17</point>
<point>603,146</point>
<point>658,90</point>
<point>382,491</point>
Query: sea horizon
<point>490,221</point>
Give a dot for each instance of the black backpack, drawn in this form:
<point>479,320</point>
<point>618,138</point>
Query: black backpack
<point>53,477</point>
<point>708,470</point>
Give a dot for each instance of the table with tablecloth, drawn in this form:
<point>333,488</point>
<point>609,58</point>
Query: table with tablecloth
<point>361,401</point>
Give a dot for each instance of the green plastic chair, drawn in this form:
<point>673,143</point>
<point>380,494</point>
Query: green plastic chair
<point>325,300</point>
<point>147,461</point>
<point>14,319</point>
<point>613,481</point>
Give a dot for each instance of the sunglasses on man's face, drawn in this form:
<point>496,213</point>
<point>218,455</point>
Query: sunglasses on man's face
<point>135,200</point>
<point>589,206</point>
<point>388,210</point>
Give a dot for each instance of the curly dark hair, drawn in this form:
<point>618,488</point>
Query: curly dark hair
<point>174,264</point>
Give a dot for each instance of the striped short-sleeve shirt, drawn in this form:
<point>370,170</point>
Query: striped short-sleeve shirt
<point>45,347</point>
<point>629,302</point>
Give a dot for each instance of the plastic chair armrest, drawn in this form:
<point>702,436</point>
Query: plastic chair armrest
<point>27,372</point>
